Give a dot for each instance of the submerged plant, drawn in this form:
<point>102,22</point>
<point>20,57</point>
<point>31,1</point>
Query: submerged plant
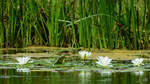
<point>23,60</point>
<point>104,61</point>
<point>137,61</point>
<point>84,54</point>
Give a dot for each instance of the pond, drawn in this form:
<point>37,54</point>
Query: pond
<point>49,66</point>
<point>11,76</point>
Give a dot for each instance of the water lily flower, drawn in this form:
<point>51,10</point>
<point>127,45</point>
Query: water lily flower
<point>23,70</point>
<point>137,61</point>
<point>23,60</point>
<point>104,61</point>
<point>84,54</point>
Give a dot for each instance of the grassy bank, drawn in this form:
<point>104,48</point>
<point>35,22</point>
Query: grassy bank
<point>76,23</point>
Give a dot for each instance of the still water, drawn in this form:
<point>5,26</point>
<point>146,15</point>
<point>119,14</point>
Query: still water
<point>65,76</point>
<point>11,76</point>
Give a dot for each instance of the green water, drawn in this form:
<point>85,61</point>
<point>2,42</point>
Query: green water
<point>11,76</point>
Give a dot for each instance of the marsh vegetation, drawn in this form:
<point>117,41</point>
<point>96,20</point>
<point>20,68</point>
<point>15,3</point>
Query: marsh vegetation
<point>75,23</point>
<point>91,31</point>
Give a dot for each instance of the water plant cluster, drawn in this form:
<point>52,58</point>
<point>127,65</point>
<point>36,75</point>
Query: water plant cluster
<point>102,62</point>
<point>75,23</point>
<point>106,61</point>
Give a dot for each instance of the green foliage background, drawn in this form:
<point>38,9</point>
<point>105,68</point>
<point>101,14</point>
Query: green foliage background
<point>76,23</point>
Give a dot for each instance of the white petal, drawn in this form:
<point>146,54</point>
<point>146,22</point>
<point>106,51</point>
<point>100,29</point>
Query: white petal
<point>104,61</point>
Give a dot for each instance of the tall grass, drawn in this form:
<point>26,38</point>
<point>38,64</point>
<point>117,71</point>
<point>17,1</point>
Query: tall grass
<point>75,23</point>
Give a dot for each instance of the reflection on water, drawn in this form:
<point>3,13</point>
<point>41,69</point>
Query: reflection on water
<point>27,70</point>
<point>85,77</point>
<point>11,76</point>
<point>104,73</point>
<point>139,73</point>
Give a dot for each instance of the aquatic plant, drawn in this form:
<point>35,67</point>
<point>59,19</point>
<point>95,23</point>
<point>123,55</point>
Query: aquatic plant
<point>137,61</point>
<point>104,61</point>
<point>22,60</point>
<point>84,54</point>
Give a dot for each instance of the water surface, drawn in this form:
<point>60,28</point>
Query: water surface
<point>11,76</point>
<point>67,75</point>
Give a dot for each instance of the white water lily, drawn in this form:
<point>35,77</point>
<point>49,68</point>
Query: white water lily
<point>84,54</point>
<point>23,60</point>
<point>137,61</point>
<point>104,61</point>
<point>23,70</point>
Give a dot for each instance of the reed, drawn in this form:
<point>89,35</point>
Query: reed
<point>75,23</point>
